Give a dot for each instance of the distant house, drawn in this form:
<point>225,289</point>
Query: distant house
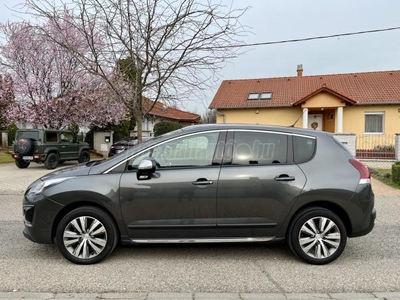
<point>360,103</point>
<point>161,112</point>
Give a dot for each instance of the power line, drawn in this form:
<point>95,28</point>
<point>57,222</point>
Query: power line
<point>312,38</point>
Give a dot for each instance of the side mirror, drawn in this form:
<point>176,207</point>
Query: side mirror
<point>146,167</point>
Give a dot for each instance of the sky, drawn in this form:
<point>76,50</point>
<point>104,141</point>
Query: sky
<point>274,20</point>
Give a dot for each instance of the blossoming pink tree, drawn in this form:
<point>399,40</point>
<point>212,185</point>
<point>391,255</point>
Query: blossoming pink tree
<point>6,98</point>
<point>50,86</point>
<point>174,48</point>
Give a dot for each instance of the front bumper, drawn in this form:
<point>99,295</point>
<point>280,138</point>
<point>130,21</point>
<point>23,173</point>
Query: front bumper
<point>39,216</point>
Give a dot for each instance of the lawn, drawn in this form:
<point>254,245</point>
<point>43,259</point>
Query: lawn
<point>385,176</point>
<point>5,158</point>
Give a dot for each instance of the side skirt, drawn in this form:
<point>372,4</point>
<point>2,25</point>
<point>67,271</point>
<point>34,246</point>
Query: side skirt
<point>195,241</point>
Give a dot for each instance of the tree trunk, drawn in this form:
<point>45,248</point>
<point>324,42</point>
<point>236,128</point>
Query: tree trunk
<point>139,126</point>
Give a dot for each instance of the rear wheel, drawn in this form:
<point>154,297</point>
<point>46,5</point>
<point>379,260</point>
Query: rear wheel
<point>51,161</point>
<point>86,235</point>
<point>84,157</point>
<point>317,236</point>
<point>22,164</point>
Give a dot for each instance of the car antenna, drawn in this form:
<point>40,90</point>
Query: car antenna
<point>297,119</point>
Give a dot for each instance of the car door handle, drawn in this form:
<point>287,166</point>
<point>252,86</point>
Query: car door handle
<point>284,177</point>
<point>202,181</point>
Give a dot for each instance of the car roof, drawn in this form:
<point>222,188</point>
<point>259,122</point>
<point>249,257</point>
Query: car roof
<point>287,129</point>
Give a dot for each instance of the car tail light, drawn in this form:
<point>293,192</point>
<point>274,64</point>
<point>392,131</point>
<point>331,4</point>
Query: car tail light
<point>15,156</point>
<point>365,175</point>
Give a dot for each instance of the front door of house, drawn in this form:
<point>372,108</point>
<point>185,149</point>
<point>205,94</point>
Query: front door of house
<point>315,121</point>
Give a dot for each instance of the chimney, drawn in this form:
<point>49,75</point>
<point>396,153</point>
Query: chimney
<point>299,70</point>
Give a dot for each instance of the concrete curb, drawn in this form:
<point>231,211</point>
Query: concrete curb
<point>202,296</point>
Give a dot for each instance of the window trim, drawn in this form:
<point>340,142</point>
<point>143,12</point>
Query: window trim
<point>374,113</point>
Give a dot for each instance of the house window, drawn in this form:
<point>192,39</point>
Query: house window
<point>253,96</point>
<point>374,122</point>
<point>266,96</point>
<point>260,96</point>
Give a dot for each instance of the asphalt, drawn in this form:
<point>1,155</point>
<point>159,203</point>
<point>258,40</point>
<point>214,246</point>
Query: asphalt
<point>14,181</point>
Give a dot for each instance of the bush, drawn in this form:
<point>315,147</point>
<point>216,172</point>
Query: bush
<point>396,172</point>
<point>165,126</point>
<point>12,131</point>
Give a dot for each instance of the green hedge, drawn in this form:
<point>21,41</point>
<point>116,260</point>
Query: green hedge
<point>165,126</point>
<point>396,172</point>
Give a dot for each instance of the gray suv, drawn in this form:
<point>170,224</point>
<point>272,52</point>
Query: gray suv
<point>49,146</point>
<point>208,183</point>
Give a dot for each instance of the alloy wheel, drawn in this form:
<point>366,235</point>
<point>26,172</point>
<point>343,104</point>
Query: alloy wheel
<point>319,237</point>
<point>85,237</point>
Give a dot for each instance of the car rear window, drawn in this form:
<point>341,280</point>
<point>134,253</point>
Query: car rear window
<point>34,135</point>
<point>304,148</point>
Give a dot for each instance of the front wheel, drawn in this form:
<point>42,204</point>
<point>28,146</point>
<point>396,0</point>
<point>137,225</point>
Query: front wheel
<point>86,235</point>
<point>317,236</point>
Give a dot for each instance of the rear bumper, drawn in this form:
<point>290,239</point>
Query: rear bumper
<point>370,225</point>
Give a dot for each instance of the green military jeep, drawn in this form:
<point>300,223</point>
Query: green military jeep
<point>48,146</point>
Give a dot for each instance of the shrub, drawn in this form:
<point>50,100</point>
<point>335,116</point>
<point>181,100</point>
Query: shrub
<point>165,126</point>
<point>396,172</point>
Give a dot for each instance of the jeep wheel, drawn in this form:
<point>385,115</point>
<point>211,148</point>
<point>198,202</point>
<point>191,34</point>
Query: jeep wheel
<point>51,161</point>
<point>84,157</point>
<point>24,146</point>
<point>22,164</point>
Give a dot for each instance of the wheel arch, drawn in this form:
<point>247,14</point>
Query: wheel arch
<point>335,208</point>
<point>66,209</point>
<point>50,150</point>
<point>84,149</point>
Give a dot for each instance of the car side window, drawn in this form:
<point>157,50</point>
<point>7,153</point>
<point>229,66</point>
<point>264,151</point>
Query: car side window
<point>303,148</point>
<point>190,151</point>
<point>66,137</point>
<point>258,148</point>
<point>51,137</point>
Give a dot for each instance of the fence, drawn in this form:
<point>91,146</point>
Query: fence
<point>376,151</point>
<point>376,147</point>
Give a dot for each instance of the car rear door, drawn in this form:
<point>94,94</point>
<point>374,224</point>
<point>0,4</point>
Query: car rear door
<point>258,184</point>
<point>179,200</point>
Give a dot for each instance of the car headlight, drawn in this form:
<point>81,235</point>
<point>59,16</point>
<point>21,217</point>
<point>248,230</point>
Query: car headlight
<point>41,185</point>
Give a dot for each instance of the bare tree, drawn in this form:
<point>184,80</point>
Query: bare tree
<point>209,117</point>
<point>174,48</point>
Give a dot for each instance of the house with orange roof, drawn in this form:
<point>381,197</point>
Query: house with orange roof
<point>361,103</point>
<point>159,112</point>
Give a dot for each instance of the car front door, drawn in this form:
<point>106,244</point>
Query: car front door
<point>258,183</point>
<point>179,200</point>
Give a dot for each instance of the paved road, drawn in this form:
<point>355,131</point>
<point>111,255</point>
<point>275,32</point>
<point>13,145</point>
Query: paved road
<point>369,264</point>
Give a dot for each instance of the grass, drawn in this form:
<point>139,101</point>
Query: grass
<point>5,157</point>
<point>385,176</point>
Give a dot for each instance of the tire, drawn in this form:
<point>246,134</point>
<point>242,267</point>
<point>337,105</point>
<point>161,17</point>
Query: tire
<point>51,161</point>
<point>84,157</point>
<point>22,164</point>
<point>79,242</point>
<point>24,146</point>
<point>317,236</point>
